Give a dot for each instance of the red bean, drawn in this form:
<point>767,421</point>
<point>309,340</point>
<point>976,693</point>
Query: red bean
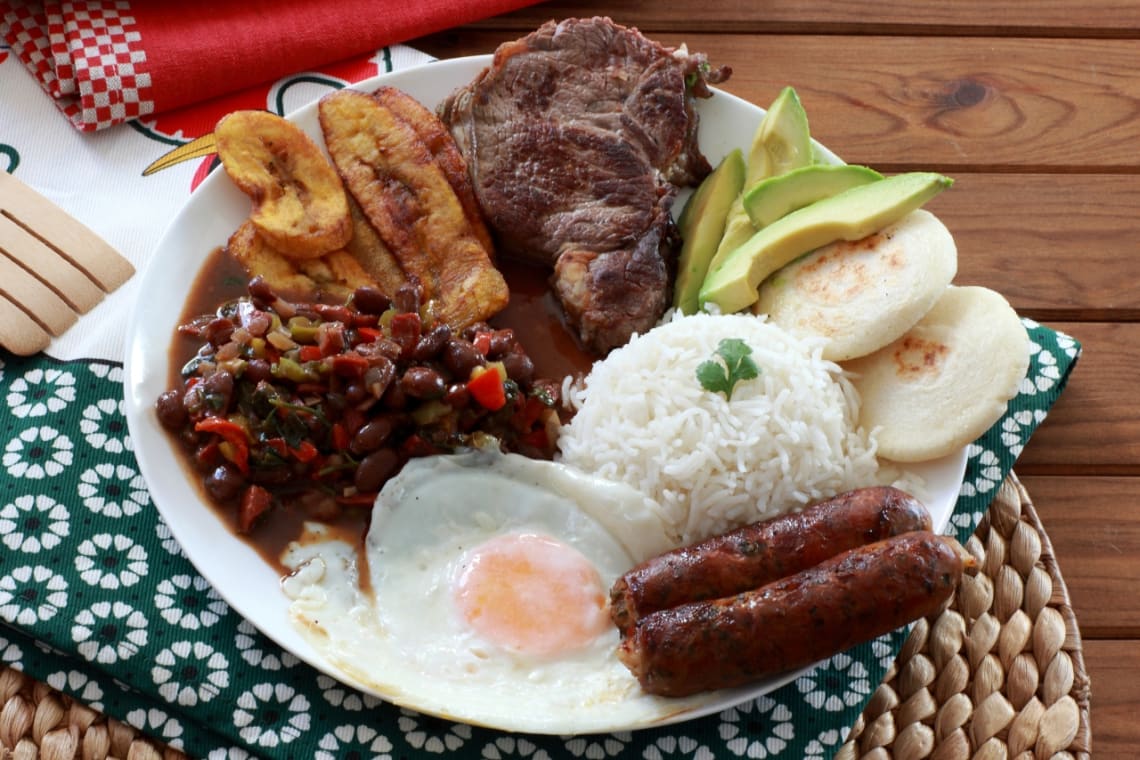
<point>218,391</point>
<point>224,483</point>
<point>371,436</point>
<point>171,413</point>
<point>257,370</point>
<point>370,300</point>
<point>408,297</point>
<point>378,378</point>
<point>457,396</point>
<point>501,342</point>
<point>430,344</point>
<point>394,399</point>
<point>334,313</point>
<point>423,383</point>
<point>519,367</point>
<point>260,290</point>
<point>474,329</point>
<point>376,468</point>
<point>218,331</point>
<point>460,357</point>
<point>355,393</point>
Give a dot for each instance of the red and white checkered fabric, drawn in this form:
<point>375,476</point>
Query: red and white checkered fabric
<point>109,61</point>
<point>87,55</point>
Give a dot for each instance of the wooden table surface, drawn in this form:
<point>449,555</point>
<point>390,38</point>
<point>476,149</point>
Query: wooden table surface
<point>1033,106</point>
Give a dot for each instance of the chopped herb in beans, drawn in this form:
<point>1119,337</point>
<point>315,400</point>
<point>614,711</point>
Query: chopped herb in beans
<point>316,406</point>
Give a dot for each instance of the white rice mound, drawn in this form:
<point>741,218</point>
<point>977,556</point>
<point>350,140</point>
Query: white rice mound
<point>787,438</point>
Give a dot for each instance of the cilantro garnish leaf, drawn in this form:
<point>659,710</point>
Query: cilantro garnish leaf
<point>735,365</point>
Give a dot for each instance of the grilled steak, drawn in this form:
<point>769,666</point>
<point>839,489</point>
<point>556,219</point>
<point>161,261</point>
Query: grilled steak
<point>577,138</point>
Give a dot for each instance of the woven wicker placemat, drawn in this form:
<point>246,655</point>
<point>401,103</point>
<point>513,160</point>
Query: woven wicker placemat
<point>998,674</point>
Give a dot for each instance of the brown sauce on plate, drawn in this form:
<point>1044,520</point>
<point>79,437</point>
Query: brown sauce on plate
<point>533,313</point>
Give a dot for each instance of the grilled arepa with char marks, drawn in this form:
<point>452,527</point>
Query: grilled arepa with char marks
<point>944,382</point>
<point>860,295</point>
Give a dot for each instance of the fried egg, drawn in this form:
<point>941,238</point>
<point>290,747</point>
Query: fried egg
<point>482,595</point>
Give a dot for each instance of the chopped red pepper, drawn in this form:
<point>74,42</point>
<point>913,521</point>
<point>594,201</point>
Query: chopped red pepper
<point>278,445</point>
<point>232,432</point>
<point>208,456</point>
<point>537,438</point>
<point>309,353</point>
<point>334,312</point>
<point>486,387</point>
<point>352,421</point>
<point>349,365</point>
<point>405,329</point>
<point>368,321</point>
<point>330,338</point>
<point>482,342</point>
<point>531,411</point>
<point>369,334</point>
<point>340,437</point>
<point>254,503</point>
<point>304,452</point>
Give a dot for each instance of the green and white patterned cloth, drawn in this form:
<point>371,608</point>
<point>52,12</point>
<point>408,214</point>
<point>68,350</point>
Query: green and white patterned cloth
<point>98,601</point>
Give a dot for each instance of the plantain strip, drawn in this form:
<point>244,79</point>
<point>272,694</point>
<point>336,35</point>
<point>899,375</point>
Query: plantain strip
<point>335,275</point>
<point>446,153</point>
<point>299,203</point>
<point>374,256</point>
<point>407,198</point>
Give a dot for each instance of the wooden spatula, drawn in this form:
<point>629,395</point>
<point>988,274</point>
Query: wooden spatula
<point>52,268</point>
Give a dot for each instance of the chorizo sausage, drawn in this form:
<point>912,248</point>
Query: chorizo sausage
<point>845,600</point>
<point>757,554</point>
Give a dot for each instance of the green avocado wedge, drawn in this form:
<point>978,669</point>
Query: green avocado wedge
<point>782,142</point>
<point>772,198</point>
<point>851,215</point>
<point>701,225</point>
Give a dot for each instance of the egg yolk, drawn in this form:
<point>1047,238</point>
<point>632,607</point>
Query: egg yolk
<point>531,594</point>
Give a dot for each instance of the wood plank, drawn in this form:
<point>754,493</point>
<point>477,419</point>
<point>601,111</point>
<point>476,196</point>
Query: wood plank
<point>1094,527</point>
<point>1054,246</point>
<point>950,103</point>
<point>1094,428</point>
<point>735,16</point>
<point>1114,672</point>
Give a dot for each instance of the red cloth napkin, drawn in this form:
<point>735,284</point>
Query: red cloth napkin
<point>110,61</point>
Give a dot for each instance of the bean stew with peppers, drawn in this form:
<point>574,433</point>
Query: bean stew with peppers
<point>306,409</point>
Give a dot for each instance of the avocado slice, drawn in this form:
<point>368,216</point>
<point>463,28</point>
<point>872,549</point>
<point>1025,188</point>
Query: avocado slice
<point>851,215</point>
<point>701,225</point>
<point>782,142</point>
<point>772,198</point>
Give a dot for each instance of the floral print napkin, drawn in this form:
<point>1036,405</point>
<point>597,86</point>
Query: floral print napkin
<point>99,602</point>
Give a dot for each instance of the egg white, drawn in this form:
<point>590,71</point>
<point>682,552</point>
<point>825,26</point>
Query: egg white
<point>403,639</point>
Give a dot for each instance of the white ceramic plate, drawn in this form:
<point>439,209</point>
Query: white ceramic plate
<point>213,211</point>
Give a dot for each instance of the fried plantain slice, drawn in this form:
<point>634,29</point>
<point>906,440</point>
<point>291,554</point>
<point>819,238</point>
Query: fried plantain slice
<point>369,249</point>
<point>333,276</point>
<point>405,195</point>
<point>299,202</point>
<point>445,152</point>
